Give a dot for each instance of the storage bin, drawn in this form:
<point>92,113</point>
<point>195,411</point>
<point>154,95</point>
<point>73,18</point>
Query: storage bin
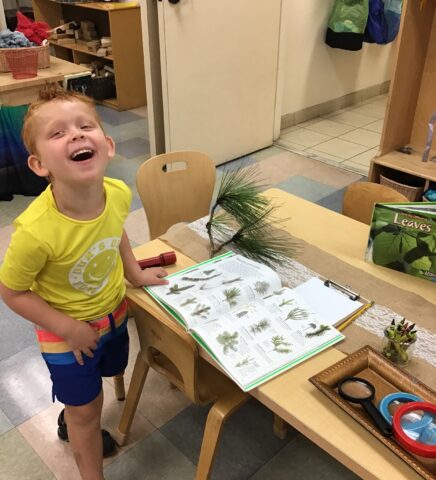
<point>102,88</point>
<point>411,187</point>
<point>43,57</point>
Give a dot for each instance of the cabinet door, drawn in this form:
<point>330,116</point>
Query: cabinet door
<point>219,62</point>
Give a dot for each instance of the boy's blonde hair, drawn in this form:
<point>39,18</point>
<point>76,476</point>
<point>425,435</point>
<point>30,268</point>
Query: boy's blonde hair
<point>50,92</point>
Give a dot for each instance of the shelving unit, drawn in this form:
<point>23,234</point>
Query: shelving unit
<point>412,99</point>
<point>121,22</point>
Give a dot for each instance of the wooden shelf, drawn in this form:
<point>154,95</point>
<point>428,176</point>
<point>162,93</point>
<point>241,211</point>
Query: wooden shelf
<point>80,48</point>
<point>120,21</point>
<point>412,98</point>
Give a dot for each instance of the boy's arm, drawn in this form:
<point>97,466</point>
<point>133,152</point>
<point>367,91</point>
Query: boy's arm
<point>133,272</point>
<point>80,336</point>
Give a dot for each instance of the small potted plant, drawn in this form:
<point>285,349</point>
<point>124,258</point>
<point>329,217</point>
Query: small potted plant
<point>398,340</point>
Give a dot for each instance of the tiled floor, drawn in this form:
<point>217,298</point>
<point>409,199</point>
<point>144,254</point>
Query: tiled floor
<point>167,431</point>
<point>347,138</point>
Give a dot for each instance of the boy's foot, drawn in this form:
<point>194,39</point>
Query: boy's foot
<point>108,442</point>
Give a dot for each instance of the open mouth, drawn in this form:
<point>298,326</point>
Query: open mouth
<point>82,154</point>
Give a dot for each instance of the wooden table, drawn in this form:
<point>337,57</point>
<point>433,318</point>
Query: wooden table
<point>291,395</point>
<point>20,92</point>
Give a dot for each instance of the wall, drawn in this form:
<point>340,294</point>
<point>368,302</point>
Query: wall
<point>314,73</point>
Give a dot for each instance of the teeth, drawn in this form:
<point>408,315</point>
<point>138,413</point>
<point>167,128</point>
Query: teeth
<point>80,152</point>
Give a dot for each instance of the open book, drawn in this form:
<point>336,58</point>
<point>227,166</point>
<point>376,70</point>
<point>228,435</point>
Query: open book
<point>403,237</point>
<point>238,310</point>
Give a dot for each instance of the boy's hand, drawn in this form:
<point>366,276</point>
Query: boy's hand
<point>154,276</point>
<point>82,339</point>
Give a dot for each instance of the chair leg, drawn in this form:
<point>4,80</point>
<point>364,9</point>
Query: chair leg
<point>134,393</point>
<point>280,427</point>
<point>120,391</point>
<point>220,412</point>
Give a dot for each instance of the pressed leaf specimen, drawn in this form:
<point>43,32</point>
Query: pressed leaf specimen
<point>297,313</point>
<point>280,344</point>
<point>176,290</point>
<point>231,295</point>
<point>261,287</point>
<point>260,326</point>
<point>228,341</point>
<point>318,332</point>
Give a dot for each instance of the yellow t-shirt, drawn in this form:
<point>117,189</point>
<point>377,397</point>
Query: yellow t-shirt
<point>74,265</point>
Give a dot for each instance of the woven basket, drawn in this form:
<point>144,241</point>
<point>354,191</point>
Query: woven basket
<point>413,193</point>
<point>43,57</point>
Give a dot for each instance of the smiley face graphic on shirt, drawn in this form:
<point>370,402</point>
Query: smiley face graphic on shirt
<point>91,273</point>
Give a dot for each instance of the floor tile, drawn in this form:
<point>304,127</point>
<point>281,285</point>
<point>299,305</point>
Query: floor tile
<point>242,162</point>
<point>354,166</point>
<point>113,117</point>
<point>333,201</point>
<point>284,165</point>
<point>5,424</point>
<point>136,226</point>
<point>19,461</point>
<point>17,333</point>
<point>371,110</point>
<point>266,153</point>
<point>350,118</point>
<point>332,175</point>
<point>247,440</point>
<point>305,188</point>
<point>303,460</point>
<point>365,157</point>
<point>329,127</point>
<point>125,169</point>
<point>305,137</point>
<point>291,146</point>
<point>323,157</point>
<point>134,147</point>
<point>120,133</point>
<point>25,385</point>
<point>154,458</point>
<point>340,148</point>
<point>159,401</point>
<point>142,111</point>
<point>375,126</point>
<point>5,238</point>
<point>363,137</point>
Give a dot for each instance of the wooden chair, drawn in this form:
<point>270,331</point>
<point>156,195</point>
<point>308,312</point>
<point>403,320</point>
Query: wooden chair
<point>359,199</point>
<point>175,187</point>
<point>170,350</point>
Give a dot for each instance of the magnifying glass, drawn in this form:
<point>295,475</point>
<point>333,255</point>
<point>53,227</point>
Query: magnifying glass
<point>414,427</point>
<point>393,401</point>
<point>359,390</point>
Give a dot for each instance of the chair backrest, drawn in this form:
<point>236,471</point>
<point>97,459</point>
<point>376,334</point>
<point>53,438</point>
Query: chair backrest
<point>169,350</point>
<point>175,187</point>
<point>359,199</point>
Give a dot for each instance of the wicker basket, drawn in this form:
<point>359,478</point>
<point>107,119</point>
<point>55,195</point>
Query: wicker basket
<point>43,57</point>
<point>413,193</point>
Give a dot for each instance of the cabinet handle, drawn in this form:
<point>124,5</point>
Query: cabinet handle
<point>173,1</point>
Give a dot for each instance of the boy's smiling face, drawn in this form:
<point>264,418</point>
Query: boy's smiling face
<point>71,147</point>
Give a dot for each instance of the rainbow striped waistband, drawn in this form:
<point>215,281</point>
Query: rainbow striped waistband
<point>55,350</point>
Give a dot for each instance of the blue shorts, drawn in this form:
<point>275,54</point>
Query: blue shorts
<point>75,384</point>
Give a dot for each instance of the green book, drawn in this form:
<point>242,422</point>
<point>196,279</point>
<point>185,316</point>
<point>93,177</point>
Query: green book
<point>403,237</point>
<point>239,312</point>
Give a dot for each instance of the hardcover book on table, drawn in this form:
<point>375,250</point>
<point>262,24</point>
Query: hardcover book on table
<point>238,310</point>
<point>403,237</point>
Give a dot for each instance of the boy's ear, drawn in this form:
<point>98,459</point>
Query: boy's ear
<point>111,146</point>
<point>37,166</point>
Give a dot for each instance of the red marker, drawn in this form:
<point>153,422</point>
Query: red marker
<point>166,258</point>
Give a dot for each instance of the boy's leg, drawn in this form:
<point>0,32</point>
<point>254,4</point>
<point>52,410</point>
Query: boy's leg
<point>84,433</point>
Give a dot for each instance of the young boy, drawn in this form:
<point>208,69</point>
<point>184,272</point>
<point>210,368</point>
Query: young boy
<point>65,266</point>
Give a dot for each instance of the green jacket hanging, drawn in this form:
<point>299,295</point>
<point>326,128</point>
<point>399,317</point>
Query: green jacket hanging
<point>347,24</point>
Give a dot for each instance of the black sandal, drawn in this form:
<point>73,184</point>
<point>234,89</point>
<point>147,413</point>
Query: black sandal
<point>109,445</point>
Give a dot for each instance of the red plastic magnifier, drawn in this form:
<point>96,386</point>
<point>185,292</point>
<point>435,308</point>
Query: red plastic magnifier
<point>420,441</point>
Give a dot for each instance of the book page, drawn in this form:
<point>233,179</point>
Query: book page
<point>330,304</point>
<point>260,339</point>
<point>203,292</point>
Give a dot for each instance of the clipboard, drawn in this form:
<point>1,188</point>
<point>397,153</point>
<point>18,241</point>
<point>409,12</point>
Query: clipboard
<point>336,304</point>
